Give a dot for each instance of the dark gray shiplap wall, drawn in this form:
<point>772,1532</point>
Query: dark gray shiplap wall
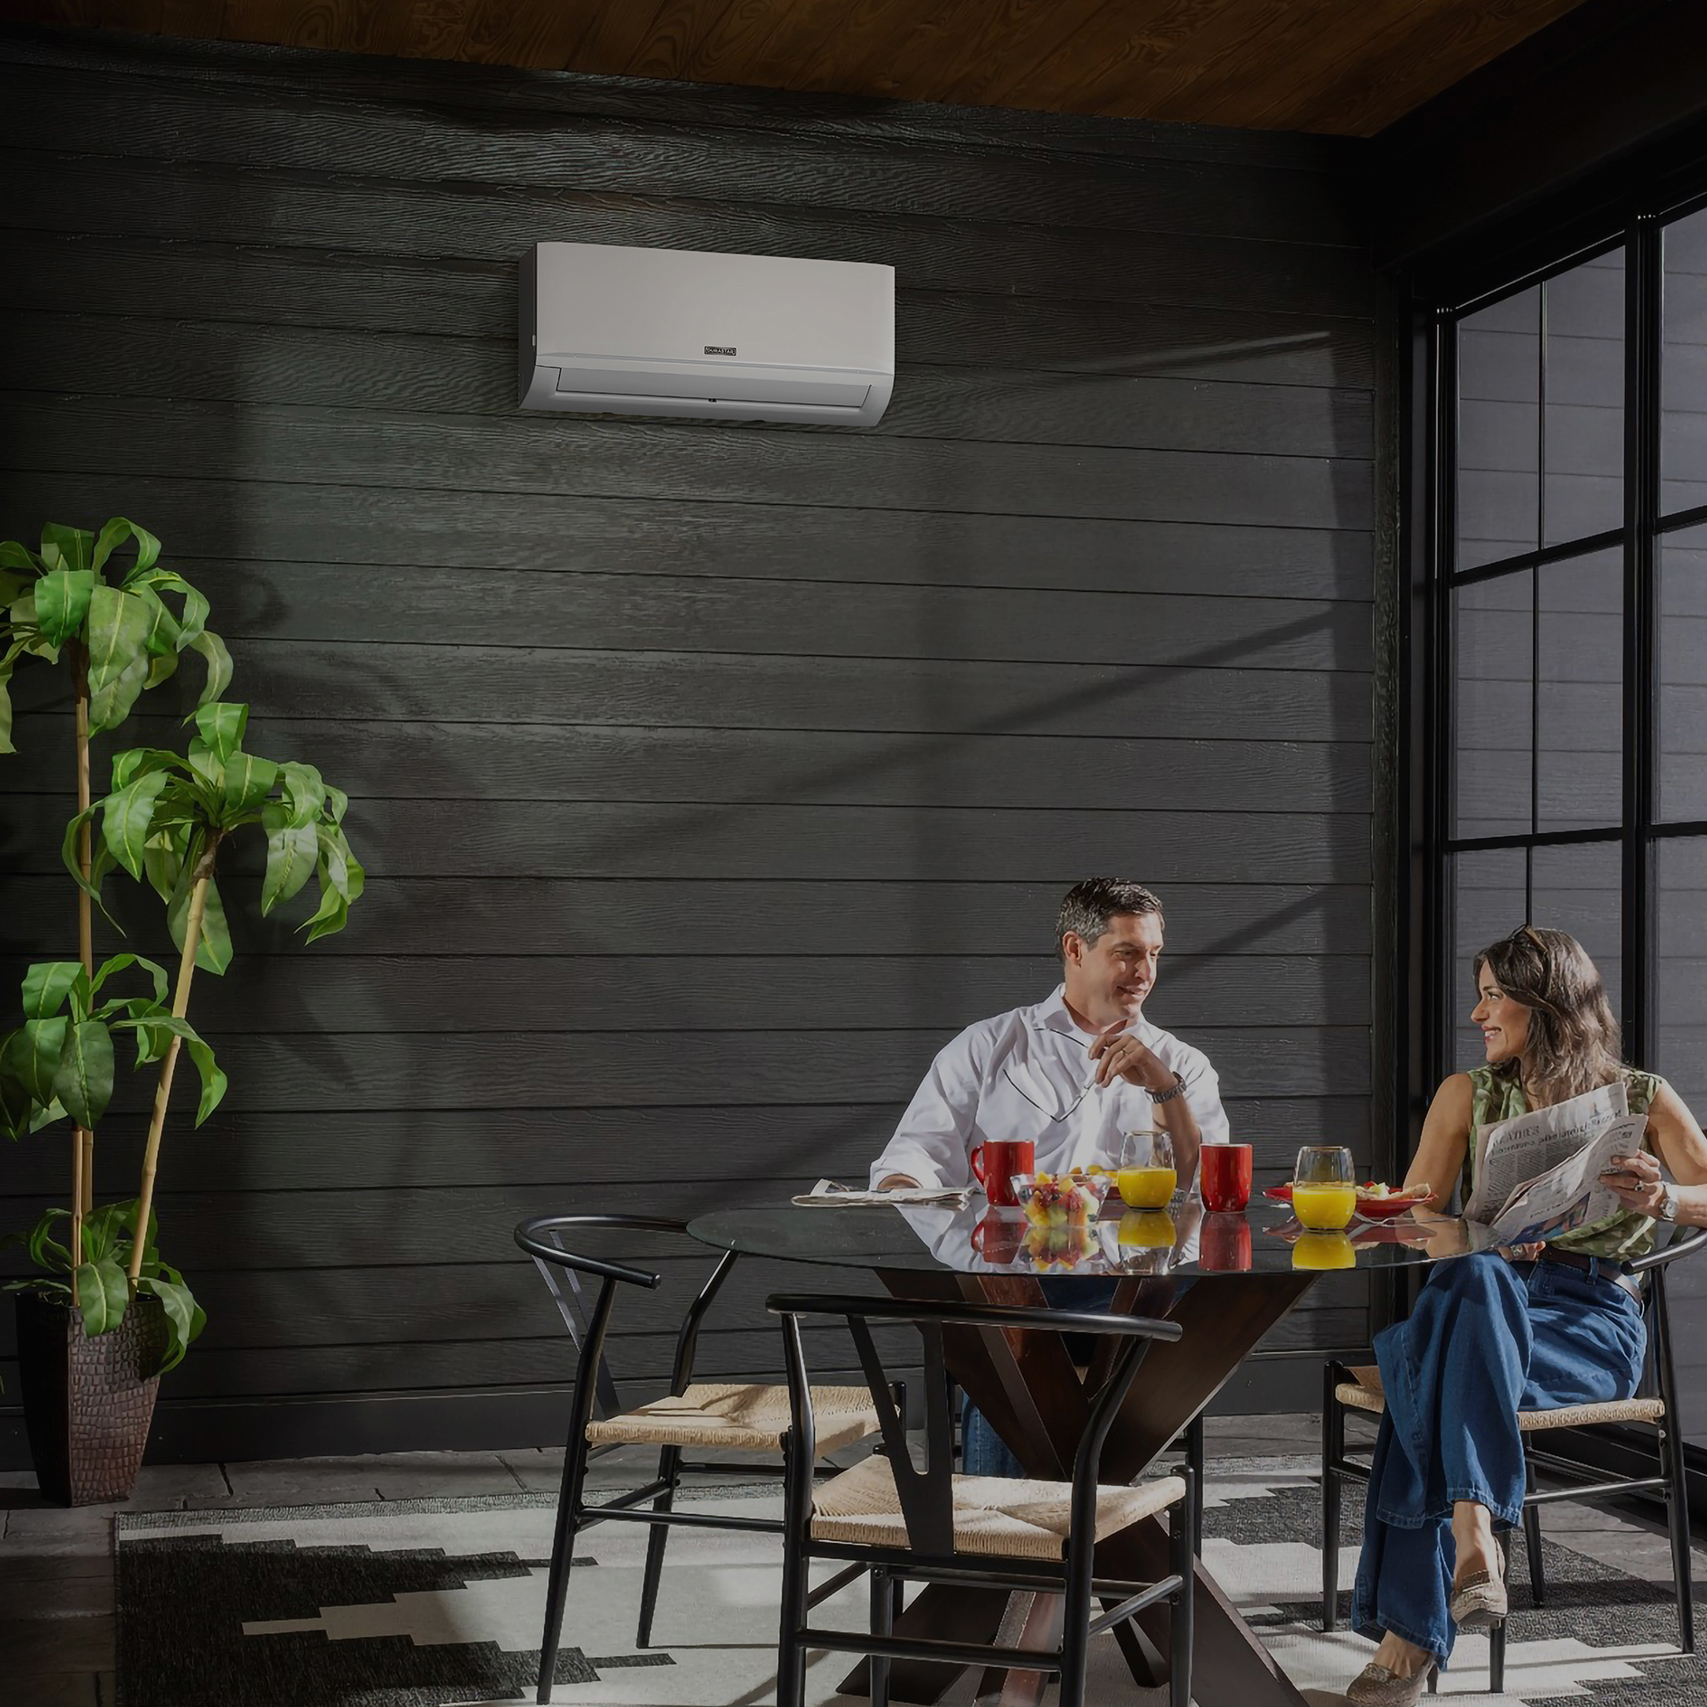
<point>708,777</point>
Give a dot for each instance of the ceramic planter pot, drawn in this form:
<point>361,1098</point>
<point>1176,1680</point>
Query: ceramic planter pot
<point>88,1402</point>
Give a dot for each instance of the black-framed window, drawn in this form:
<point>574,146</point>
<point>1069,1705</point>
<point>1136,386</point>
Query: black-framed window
<point>1567,694</point>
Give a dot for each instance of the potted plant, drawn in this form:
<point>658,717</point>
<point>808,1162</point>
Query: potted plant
<point>117,635</point>
<point>165,818</point>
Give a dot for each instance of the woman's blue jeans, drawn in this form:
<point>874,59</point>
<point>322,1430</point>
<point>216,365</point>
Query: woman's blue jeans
<point>1486,1339</point>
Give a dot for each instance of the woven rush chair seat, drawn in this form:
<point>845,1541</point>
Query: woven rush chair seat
<point>1365,1394</point>
<point>993,1515</point>
<point>737,1418</point>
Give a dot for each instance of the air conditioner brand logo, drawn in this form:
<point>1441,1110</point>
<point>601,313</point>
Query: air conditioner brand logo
<point>720,349</point>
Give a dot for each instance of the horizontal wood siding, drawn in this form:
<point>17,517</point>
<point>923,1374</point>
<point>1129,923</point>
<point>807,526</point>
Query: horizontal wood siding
<point>709,777</point>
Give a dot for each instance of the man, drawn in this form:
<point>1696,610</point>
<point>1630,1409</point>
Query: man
<point>1075,1071</point>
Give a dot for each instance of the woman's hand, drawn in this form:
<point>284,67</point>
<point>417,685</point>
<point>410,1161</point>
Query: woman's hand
<point>1521,1253</point>
<point>1637,1182</point>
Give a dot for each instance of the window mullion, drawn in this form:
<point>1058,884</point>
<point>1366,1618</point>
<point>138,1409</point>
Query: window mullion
<point>1443,761</point>
<point>1643,309</point>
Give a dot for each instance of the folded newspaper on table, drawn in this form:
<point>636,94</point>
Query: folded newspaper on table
<point>1538,1174</point>
<point>827,1192</point>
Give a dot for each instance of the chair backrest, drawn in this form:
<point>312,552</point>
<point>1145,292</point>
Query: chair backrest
<point>1678,1242</point>
<point>566,1273</point>
<point>927,1495</point>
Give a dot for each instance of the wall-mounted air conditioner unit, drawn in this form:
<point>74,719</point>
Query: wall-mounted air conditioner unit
<point>609,330</point>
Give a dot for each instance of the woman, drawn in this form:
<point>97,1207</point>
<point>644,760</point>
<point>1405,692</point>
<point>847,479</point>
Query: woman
<point>1500,1332</point>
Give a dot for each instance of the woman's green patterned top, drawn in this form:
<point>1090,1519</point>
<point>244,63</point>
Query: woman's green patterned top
<point>1627,1234</point>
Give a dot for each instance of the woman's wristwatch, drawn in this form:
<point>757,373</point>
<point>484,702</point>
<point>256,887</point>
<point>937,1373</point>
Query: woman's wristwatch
<point>1668,1202</point>
<point>1177,1088</point>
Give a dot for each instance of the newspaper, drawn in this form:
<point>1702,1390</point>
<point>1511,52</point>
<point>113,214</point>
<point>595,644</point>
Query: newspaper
<point>827,1193</point>
<point>1537,1174</point>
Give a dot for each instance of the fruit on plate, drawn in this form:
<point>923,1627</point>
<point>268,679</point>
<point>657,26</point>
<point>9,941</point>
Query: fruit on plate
<point>1375,1202</point>
<point>1371,1192</point>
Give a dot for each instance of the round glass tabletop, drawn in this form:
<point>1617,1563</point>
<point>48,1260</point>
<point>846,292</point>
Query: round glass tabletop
<point>1181,1240</point>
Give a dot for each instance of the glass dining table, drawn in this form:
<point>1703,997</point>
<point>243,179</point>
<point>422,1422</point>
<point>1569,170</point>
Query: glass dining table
<point>1227,1280</point>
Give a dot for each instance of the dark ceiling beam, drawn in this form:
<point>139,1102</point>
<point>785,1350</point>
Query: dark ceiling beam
<point>1603,86</point>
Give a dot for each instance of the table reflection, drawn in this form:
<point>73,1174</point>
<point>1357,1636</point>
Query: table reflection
<point>989,1239</point>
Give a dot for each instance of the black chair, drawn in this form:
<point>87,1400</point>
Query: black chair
<point>1345,1388</point>
<point>902,1524</point>
<point>738,1417</point>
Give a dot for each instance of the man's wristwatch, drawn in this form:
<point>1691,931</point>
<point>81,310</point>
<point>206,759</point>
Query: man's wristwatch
<point>1668,1202</point>
<point>1177,1088</point>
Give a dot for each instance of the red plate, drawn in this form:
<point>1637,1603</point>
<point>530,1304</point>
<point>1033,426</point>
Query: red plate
<point>1370,1208</point>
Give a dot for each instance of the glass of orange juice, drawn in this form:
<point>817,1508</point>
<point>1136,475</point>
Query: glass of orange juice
<point>1146,1177</point>
<point>1324,1188</point>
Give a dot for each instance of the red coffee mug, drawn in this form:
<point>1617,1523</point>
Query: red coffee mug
<point>997,1161</point>
<point>1225,1243</point>
<point>1226,1177</point>
<point>997,1237</point>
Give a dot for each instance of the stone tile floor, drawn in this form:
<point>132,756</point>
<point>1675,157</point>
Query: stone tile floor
<point>56,1575</point>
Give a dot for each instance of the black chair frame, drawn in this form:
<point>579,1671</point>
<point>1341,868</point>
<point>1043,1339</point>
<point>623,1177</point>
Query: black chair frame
<point>595,1392</point>
<point>926,1499</point>
<point>1583,1483</point>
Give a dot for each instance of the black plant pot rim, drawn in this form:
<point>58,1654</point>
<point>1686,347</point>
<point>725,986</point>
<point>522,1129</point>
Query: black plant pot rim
<point>47,1299</point>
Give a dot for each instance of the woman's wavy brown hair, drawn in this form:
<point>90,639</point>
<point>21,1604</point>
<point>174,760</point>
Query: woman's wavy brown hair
<point>1573,1044</point>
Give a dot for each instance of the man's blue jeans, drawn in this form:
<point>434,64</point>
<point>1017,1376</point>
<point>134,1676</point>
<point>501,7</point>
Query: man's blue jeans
<point>1486,1339</point>
<point>983,1452</point>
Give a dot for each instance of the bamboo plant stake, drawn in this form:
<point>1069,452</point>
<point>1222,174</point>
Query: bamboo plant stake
<point>169,1061</point>
<point>83,1140</point>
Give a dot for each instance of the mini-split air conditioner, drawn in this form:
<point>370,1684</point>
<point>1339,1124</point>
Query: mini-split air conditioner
<point>611,330</point>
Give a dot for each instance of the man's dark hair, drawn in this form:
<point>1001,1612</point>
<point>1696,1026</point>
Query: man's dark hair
<point>1087,907</point>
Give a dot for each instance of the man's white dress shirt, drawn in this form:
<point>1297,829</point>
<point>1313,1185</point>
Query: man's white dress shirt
<point>1028,1074</point>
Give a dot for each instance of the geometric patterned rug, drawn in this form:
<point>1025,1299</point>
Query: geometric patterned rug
<point>429,1603</point>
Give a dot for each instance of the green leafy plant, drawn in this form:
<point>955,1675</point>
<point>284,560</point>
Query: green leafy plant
<point>102,1279</point>
<point>119,638</point>
<point>166,819</point>
<point>123,637</point>
<point>62,1062</point>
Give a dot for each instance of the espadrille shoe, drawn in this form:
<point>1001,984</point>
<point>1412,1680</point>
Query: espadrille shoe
<point>1480,1600</point>
<point>1375,1686</point>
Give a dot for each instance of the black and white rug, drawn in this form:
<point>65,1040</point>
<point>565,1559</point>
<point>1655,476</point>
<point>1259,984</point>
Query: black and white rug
<point>429,1603</point>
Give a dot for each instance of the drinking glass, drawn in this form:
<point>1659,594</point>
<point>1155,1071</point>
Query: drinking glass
<point>1324,1188</point>
<point>1146,1177</point>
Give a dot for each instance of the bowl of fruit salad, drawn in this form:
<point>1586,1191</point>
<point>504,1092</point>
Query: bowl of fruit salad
<point>1061,1200</point>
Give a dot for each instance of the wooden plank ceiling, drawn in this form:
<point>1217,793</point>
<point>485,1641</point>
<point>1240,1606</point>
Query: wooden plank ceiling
<point>1347,67</point>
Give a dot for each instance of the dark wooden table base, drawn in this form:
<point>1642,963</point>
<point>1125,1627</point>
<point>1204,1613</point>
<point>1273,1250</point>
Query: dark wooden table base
<point>1037,1401</point>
